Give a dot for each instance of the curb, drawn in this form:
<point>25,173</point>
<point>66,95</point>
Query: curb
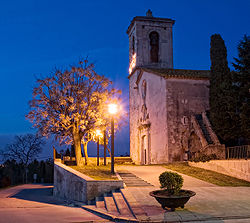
<point>109,216</point>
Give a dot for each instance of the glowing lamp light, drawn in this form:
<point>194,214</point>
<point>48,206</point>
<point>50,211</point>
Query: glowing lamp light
<point>132,63</point>
<point>98,132</point>
<point>112,108</point>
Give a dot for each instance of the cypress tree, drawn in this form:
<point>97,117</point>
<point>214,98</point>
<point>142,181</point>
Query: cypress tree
<point>242,83</point>
<point>222,97</point>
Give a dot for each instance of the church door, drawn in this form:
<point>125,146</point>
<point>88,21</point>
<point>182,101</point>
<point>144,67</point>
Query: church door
<point>144,150</point>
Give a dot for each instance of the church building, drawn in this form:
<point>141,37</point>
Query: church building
<point>168,120</point>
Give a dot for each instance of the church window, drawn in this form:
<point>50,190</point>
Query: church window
<point>133,45</point>
<point>144,90</point>
<point>154,47</point>
<point>184,120</point>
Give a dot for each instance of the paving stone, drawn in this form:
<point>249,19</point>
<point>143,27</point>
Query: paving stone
<point>210,204</point>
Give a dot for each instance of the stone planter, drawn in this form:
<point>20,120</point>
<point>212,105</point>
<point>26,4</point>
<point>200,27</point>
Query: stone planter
<point>172,201</point>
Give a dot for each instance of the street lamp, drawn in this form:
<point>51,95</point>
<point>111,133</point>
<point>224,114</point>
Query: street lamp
<point>112,108</point>
<point>105,146</point>
<point>98,134</point>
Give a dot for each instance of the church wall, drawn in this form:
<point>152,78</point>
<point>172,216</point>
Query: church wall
<point>184,98</point>
<point>156,108</point>
<point>155,132</point>
<point>133,118</point>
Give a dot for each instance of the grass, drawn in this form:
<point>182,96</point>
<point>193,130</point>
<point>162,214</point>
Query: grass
<point>96,172</point>
<point>207,175</point>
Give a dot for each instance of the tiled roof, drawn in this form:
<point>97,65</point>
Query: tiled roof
<point>178,73</point>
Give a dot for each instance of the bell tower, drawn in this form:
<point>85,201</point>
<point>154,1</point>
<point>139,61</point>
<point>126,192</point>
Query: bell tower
<point>150,42</point>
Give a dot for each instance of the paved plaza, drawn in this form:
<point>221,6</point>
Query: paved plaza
<point>34,203</point>
<point>211,203</point>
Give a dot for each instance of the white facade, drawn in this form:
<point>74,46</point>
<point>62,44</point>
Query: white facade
<point>162,100</point>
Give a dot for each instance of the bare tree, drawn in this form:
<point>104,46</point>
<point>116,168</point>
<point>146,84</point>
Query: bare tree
<point>24,149</point>
<point>71,104</point>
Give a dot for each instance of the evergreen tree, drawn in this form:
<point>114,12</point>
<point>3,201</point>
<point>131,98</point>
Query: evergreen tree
<point>242,84</point>
<point>222,97</point>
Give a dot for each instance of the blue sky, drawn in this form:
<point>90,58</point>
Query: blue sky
<point>37,36</point>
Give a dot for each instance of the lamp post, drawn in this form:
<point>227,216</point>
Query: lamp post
<point>112,108</point>
<point>98,151</point>
<point>98,133</point>
<point>105,147</point>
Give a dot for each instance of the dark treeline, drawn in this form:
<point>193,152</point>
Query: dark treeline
<point>13,173</point>
<point>229,92</point>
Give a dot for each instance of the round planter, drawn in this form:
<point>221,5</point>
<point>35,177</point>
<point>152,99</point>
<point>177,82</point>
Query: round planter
<point>172,201</point>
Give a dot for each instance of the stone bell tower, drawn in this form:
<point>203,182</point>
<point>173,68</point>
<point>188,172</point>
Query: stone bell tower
<point>150,42</point>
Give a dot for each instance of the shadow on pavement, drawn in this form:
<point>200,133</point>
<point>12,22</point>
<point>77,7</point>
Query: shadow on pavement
<point>42,195</point>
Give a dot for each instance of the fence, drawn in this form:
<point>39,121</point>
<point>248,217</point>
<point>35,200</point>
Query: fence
<point>238,152</point>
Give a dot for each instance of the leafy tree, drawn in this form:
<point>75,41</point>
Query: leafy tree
<point>242,85</point>
<point>70,104</point>
<point>222,95</point>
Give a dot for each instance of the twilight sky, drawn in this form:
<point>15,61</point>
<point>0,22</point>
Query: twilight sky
<point>37,36</point>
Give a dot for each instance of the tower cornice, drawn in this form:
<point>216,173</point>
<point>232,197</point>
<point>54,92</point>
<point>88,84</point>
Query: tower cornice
<point>149,19</point>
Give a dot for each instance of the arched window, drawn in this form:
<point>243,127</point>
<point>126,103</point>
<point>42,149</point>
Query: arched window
<point>133,45</point>
<point>154,47</point>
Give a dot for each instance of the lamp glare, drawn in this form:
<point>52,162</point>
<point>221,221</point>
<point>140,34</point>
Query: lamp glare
<point>112,108</point>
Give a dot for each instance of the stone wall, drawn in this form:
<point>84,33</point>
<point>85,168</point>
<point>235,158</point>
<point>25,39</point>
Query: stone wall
<point>185,97</point>
<point>205,148</point>
<point>73,185</point>
<point>235,168</point>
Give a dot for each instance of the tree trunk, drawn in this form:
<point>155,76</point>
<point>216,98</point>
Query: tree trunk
<point>85,146</point>
<point>77,145</point>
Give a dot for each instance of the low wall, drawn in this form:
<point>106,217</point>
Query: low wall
<point>73,185</point>
<point>235,168</point>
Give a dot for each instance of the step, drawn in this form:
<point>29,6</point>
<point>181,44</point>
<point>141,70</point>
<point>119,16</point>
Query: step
<point>134,206</point>
<point>110,205</point>
<point>137,185</point>
<point>132,179</point>
<point>100,204</point>
<point>135,182</point>
<point>204,129</point>
<point>122,205</point>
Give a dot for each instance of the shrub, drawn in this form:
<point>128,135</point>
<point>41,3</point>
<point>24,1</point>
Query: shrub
<point>171,181</point>
<point>204,158</point>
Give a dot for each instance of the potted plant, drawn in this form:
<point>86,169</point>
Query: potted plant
<point>171,196</point>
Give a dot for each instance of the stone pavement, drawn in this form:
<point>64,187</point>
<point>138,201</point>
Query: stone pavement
<point>211,203</point>
<point>34,203</point>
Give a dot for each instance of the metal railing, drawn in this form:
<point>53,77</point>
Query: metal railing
<point>238,152</point>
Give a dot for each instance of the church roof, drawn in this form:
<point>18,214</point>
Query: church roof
<point>177,73</point>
